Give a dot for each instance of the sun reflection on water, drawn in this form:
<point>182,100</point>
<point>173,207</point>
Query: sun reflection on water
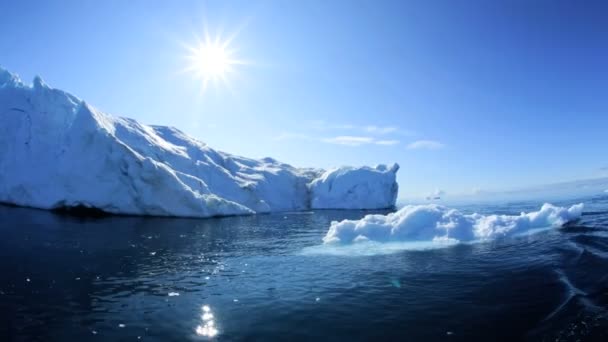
<point>207,327</point>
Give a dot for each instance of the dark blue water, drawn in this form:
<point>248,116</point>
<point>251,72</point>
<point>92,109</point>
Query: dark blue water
<point>126,279</point>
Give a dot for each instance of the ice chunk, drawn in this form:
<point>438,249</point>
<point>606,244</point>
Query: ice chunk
<point>439,223</point>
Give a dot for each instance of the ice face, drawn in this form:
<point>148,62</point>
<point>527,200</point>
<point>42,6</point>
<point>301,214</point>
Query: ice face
<point>355,188</point>
<point>58,151</point>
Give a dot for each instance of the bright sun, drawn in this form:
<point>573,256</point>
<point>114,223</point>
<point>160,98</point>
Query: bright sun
<point>211,60</point>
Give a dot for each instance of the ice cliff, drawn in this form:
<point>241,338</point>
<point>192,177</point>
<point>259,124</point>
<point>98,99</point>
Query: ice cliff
<point>57,151</point>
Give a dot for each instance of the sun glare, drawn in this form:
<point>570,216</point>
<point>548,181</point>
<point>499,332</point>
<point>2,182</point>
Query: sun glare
<point>211,60</point>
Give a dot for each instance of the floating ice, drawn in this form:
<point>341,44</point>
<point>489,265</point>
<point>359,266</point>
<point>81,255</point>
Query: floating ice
<point>420,223</point>
<point>56,152</point>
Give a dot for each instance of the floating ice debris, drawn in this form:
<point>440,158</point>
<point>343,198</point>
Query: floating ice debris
<point>27,279</point>
<point>152,253</point>
<point>434,222</point>
<point>206,278</point>
<point>235,300</point>
<point>173,294</point>
<point>77,278</point>
<point>94,332</point>
<point>449,333</point>
<point>121,325</point>
<point>317,299</point>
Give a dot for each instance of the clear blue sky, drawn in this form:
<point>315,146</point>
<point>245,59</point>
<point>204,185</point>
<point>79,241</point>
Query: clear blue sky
<point>497,94</point>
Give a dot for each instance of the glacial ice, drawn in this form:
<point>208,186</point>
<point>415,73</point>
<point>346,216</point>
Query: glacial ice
<point>432,222</point>
<point>57,151</point>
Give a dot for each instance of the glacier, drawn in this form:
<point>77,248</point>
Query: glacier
<point>57,151</point>
<point>432,222</point>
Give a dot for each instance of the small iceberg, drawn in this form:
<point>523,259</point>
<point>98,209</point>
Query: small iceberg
<point>442,225</point>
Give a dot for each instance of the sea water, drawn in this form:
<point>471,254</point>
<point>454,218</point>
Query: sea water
<point>271,278</point>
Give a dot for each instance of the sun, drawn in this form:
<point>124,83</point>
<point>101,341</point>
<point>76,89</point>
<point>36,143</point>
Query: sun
<point>211,60</point>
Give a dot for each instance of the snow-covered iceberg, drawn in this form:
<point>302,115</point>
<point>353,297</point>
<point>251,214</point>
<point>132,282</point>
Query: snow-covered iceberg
<point>56,151</point>
<point>355,188</point>
<point>439,223</point>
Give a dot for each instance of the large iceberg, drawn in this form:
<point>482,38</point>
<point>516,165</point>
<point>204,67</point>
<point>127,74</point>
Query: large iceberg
<point>56,151</point>
<point>435,222</point>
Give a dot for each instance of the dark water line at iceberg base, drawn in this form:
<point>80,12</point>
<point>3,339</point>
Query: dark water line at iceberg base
<point>91,212</point>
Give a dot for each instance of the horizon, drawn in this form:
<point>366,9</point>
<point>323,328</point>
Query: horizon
<point>462,110</point>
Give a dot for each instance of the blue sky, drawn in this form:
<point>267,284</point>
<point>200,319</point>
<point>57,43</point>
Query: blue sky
<point>463,95</point>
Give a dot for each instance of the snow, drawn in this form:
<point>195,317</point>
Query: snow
<point>438,223</point>
<point>355,188</point>
<point>57,151</point>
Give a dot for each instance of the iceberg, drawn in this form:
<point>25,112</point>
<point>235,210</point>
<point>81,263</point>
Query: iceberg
<point>355,188</point>
<point>57,151</point>
<point>438,223</point>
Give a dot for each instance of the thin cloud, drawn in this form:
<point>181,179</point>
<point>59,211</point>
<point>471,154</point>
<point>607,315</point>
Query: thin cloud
<point>380,129</point>
<point>349,140</point>
<point>345,140</point>
<point>322,125</point>
<point>386,142</point>
<point>425,145</point>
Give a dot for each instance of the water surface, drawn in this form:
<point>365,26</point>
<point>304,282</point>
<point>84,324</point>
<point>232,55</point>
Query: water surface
<point>254,278</point>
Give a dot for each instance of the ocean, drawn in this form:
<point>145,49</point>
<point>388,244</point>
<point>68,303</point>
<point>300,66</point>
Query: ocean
<point>270,278</point>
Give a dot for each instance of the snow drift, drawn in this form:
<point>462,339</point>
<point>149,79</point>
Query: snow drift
<point>56,151</point>
<point>435,222</point>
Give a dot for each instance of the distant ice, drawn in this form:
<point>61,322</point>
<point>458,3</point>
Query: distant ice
<point>355,188</point>
<point>57,151</point>
<point>439,224</point>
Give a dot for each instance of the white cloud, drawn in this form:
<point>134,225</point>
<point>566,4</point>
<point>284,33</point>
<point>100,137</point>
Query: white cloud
<point>349,140</point>
<point>386,142</point>
<point>345,140</point>
<point>322,125</point>
<point>381,130</point>
<point>426,145</point>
